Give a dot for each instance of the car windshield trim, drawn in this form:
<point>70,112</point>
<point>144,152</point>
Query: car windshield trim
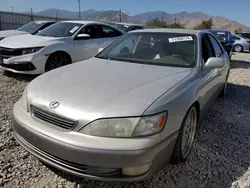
<point>145,62</point>
<point>61,29</point>
<point>165,60</point>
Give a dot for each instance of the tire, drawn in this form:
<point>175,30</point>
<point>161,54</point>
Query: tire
<point>56,60</point>
<point>238,48</point>
<point>181,153</point>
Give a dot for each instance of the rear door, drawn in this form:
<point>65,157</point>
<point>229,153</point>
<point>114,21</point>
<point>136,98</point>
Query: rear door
<point>87,48</point>
<point>108,35</point>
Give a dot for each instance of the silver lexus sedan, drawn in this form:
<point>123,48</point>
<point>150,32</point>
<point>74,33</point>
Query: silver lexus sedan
<point>127,112</point>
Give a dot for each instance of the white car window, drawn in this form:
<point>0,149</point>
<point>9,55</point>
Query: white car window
<point>61,29</point>
<point>107,32</point>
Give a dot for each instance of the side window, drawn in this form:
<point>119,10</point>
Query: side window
<point>207,48</point>
<point>235,38</point>
<point>93,31</point>
<point>44,26</point>
<point>107,32</point>
<point>216,46</point>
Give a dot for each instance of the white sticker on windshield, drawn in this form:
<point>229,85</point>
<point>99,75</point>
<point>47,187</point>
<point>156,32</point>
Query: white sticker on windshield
<point>220,33</point>
<point>74,29</point>
<point>180,39</point>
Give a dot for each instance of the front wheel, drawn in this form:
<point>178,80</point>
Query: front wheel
<point>186,136</point>
<point>57,60</point>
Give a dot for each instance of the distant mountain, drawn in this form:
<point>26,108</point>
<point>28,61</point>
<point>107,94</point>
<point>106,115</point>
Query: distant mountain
<point>190,19</point>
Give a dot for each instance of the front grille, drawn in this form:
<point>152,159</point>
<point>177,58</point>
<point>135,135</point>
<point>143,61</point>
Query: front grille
<point>53,118</point>
<point>7,53</point>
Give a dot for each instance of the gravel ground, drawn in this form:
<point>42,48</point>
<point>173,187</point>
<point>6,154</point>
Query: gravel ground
<point>220,156</point>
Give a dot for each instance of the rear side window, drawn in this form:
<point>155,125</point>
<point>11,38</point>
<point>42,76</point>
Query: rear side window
<point>235,38</point>
<point>107,32</point>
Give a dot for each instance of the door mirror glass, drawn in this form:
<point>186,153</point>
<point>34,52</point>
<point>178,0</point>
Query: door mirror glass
<point>214,62</point>
<point>83,36</point>
<point>100,49</point>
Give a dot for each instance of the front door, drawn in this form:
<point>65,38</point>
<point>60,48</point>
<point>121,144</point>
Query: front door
<point>208,78</point>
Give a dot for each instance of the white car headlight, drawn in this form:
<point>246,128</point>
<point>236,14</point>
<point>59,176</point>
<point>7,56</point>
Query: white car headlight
<point>24,102</point>
<point>126,127</point>
<point>31,50</point>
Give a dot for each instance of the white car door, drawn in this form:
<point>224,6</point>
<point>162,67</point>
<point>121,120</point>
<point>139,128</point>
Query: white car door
<point>108,35</point>
<point>86,48</point>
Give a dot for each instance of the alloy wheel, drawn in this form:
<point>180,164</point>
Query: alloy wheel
<point>189,130</point>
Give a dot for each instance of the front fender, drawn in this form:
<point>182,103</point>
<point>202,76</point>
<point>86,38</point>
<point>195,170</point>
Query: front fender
<point>52,48</point>
<point>176,102</point>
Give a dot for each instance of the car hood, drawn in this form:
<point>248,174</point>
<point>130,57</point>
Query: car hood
<point>8,33</point>
<point>26,41</point>
<point>98,88</point>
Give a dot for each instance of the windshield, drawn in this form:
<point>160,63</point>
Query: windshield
<point>62,29</point>
<point>30,27</point>
<point>163,49</point>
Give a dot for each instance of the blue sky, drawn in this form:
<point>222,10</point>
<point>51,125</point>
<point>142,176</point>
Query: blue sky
<point>235,10</point>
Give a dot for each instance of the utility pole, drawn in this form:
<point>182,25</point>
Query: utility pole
<point>175,20</point>
<point>31,14</point>
<point>162,17</point>
<point>12,9</point>
<point>120,15</point>
<point>56,16</point>
<point>79,9</point>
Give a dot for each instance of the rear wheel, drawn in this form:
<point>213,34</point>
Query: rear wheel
<point>238,48</point>
<point>56,60</point>
<point>186,136</point>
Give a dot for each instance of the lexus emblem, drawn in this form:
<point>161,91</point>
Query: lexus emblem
<point>54,104</point>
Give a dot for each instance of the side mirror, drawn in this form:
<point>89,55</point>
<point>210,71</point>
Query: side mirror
<point>214,62</point>
<point>83,36</point>
<point>100,49</point>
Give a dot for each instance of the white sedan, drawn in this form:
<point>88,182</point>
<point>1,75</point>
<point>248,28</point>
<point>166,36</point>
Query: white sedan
<point>60,44</point>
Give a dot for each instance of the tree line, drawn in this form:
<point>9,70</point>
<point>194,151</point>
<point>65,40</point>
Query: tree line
<point>205,24</point>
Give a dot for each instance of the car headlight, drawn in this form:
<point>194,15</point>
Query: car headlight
<point>24,102</point>
<point>31,50</point>
<point>126,127</point>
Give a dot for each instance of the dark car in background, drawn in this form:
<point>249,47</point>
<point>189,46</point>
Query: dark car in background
<point>225,37</point>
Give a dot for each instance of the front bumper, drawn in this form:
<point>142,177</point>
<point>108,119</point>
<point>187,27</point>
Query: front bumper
<point>99,164</point>
<point>26,64</point>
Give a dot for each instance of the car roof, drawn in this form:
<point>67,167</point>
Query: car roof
<point>82,22</point>
<point>130,24</point>
<point>222,30</point>
<point>169,30</point>
<point>44,21</point>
